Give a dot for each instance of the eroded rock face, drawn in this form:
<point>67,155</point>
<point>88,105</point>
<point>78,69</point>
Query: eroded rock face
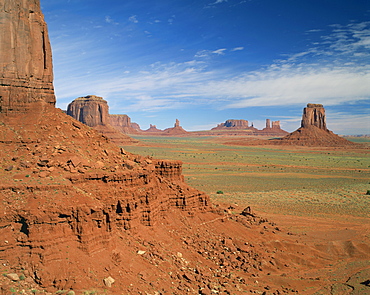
<point>91,110</point>
<point>123,124</point>
<point>25,57</point>
<point>276,125</point>
<point>314,115</point>
<point>313,131</point>
<point>236,124</point>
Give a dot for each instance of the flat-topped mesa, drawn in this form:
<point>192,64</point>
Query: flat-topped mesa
<point>314,115</point>
<point>233,124</point>
<point>25,57</point>
<point>91,110</point>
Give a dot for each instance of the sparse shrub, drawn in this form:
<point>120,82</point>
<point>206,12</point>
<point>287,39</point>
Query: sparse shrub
<point>219,192</point>
<point>368,192</point>
<point>22,277</point>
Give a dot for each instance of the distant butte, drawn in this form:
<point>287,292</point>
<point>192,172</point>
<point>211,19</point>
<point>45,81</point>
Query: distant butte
<point>313,131</point>
<point>93,111</point>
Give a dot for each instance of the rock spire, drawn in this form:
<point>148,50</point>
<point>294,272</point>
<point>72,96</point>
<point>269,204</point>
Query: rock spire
<point>25,57</point>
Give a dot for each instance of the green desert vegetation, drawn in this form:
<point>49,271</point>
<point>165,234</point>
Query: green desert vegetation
<point>288,180</point>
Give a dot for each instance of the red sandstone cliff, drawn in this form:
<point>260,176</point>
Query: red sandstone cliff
<point>123,124</point>
<point>25,57</point>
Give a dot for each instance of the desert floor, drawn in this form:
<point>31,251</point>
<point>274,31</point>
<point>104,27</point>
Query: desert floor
<point>320,194</point>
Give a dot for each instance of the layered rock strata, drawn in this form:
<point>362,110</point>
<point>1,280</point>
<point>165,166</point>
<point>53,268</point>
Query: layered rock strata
<point>25,57</point>
<point>65,184</point>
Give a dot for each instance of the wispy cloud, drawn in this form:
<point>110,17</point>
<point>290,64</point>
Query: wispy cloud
<point>217,2</point>
<point>109,20</point>
<point>133,19</point>
<point>237,49</point>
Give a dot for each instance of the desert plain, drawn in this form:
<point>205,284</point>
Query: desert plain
<point>319,195</point>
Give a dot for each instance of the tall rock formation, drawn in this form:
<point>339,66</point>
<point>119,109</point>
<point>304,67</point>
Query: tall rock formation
<point>314,115</point>
<point>276,125</point>
<point>176,130</point>
<point>91,110</point>
<point>25,57</point>
<point>272,129</point>
<point>313,131</point>
<point>268,123</point>
<point>123,124</point>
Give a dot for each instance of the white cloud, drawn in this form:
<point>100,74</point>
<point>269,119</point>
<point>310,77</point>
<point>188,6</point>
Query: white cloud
<point>220,51</point>
<point>133,19</point>
<point>218,2</point>
<point>109,20</point>
<point>237,49</point>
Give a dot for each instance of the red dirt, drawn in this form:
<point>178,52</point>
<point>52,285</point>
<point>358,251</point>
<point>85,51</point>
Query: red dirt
<point>75,209</point>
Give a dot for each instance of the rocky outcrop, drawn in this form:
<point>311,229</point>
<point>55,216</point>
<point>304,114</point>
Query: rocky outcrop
<point>272,125</point>
<point>314,115</point>
<point>78,189</point>
<point>91,110</point>
<point>153,129</point>
<point>313,131</point>
<point>25,57</point>
<point>234,124</point>
<point>123,124</point>
<point>242,128</point>
<point>176,130</point>
<point>272,129</point>
<point>276,125</point>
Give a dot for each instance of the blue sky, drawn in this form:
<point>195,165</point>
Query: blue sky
<point>206,61</point>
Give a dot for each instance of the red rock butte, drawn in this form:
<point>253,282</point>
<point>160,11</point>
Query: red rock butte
<point>313,131</point>
<point>93,111</point>
<point>25,57</point>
